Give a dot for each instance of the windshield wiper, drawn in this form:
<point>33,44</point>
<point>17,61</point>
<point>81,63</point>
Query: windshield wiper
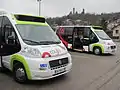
<point>42,42</point>
<point>31,41</point>
<point>49,42</point>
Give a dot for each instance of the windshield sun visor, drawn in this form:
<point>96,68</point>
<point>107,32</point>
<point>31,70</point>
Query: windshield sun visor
<point>30,18</point>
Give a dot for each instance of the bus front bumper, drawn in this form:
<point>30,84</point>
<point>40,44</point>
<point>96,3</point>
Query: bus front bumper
<point>47,74</point>
<point>109,50</point>
<point>40,67</point>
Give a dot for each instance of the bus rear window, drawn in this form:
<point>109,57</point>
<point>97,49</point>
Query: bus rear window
<point>30,18</point>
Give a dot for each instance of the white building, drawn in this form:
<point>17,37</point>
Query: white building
<point>116,31</point>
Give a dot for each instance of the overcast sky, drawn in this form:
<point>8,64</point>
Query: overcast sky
<point>52,8</point>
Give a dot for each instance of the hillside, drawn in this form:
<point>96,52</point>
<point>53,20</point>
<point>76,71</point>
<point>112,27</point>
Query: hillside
<point>84,18</point>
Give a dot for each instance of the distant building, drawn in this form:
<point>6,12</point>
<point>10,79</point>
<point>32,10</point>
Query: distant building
<point>116,31</point>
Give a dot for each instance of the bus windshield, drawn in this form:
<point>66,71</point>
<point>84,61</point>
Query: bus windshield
<point>102,35</point>
<point>36,34</point>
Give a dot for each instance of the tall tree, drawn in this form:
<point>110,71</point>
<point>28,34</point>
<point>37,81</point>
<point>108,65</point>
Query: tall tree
<point>104,24</point>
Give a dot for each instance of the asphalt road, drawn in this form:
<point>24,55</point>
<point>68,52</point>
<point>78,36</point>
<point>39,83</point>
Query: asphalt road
<point>89,72</point>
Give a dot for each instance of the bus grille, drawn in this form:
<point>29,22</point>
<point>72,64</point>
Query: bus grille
<point>59,62</point>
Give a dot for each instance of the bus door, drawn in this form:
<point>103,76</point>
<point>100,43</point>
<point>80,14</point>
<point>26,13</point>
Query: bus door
<point>81,38</point>
<point>86,38</point>
<point>77,39</point>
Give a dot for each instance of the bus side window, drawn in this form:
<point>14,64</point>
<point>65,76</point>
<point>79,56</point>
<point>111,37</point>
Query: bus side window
<point>68,33</point>
<point>10,40</point>
<point>65,33</point>
<point>93,38</point>
<point>86,32</point>
<point>0,22</point>
<point>0,27</point>
<point>60,31</point>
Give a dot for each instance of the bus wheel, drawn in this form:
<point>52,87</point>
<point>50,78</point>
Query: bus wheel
<point>97,51</point>
<point>19,73</point>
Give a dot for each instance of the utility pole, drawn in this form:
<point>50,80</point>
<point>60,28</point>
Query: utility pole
<point>39,8</point>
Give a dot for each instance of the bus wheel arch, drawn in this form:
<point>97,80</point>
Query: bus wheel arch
<point>18,58</point>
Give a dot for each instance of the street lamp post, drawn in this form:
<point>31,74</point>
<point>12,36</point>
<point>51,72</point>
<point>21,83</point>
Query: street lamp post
<point>39,7</point>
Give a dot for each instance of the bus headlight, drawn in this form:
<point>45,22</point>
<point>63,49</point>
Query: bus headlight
<point>31,52</point>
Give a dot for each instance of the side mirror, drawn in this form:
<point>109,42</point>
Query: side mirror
<point>11,40</point>
<point>8,27</point>
<point>9,35</point>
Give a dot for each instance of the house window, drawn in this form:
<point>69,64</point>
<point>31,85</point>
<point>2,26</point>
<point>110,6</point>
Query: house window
<point>117,31</point>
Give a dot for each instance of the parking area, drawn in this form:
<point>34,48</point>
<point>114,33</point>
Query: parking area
<point>87,73</point>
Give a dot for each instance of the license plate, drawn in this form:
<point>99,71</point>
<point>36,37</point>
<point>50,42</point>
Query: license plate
<point>113,50</point>
<point>60,70</point>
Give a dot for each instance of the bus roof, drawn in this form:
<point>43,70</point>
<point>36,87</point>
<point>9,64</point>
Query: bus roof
<point>80,26</point>
<point>24,18</point>
<point>4,13</point>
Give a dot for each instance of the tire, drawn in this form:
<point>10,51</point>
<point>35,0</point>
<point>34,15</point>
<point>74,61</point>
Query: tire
<point>19,73</point>
<point>97,51</point>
